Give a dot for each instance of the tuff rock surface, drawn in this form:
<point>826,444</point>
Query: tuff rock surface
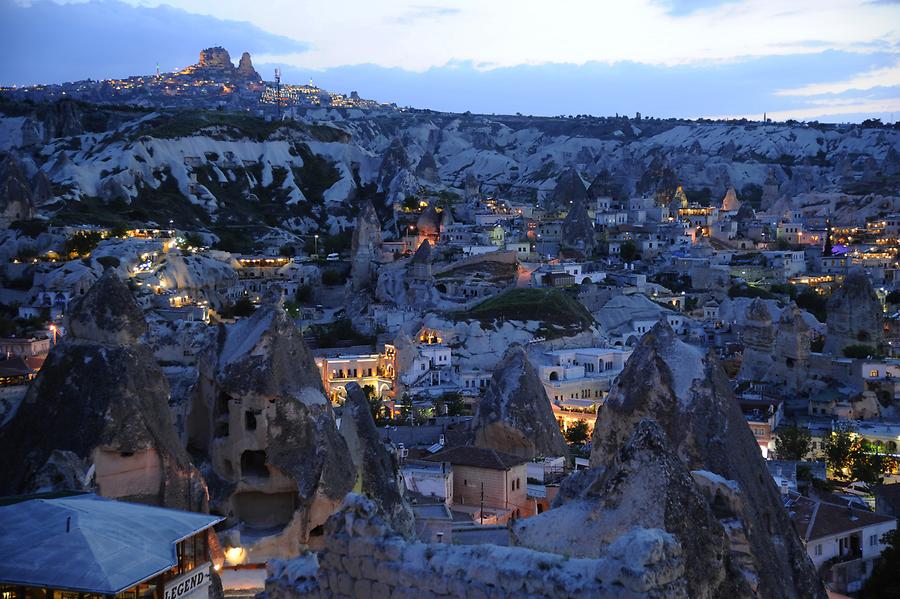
<point>365,247</point>
<point>645,486</point>
<point>569,188</point>
<point>854,314</point>
<point>514,415</point>
<point>578,229</point>
<point>687,395</point>
<point>262,425</point>
<point>377,471</point>
<point>364,557</point>
<point>100,402</point>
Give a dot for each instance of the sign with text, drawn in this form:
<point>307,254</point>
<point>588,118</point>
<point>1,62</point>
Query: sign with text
<point>193,584</point>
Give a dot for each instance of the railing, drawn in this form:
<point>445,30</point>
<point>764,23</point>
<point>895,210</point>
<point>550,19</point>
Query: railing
<point>847,573</point>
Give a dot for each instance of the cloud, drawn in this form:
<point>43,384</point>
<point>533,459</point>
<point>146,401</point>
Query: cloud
<point>883,77</point>
<point>422,34</point>
<point>48,42</point>
<point>680,8</point>
<point>426,13</point>
<point>737,88</point>
<point>847,109</point>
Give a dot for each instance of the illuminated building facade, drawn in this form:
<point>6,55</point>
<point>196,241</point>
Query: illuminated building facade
<point>375,370</point>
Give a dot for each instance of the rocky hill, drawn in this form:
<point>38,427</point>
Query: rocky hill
<point>206,168</point>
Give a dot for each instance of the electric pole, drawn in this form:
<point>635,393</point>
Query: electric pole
<point>481,509</point>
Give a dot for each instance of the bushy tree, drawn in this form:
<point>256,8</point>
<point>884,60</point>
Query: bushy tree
<point>450,404</point>
<point>838,450</point>
<point>859,351</point>
<point>882,584</point>
<point>792,443</point>
<point>577,433</point>
<point>375,406</point>
<point>869,464</point>
<point>628,251</point>
<point>893,297</point>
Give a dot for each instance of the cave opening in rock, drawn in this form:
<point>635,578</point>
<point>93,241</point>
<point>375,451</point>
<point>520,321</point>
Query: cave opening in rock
<point>265,510</point>
<point>253,463</point>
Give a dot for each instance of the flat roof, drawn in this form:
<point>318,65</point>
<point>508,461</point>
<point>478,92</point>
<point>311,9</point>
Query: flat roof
<point>91,544</point>
<point>591,351</point>
<point>477,457</point>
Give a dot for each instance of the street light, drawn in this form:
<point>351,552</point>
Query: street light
<point>317,244</point>
<point>53,330</point>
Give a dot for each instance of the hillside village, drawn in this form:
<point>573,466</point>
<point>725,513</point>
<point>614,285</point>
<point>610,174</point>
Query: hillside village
<point>474,337</point>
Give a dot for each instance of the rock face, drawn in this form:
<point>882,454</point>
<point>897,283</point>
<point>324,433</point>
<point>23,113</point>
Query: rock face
<point>108,314</point>
<point>16,201</point>
<point>277,464</point>
<point>245,68</point>
<point>645,486</point>
<point>427,168</point>
<point>730,202</point>
<point>569,188</point>
<point>363,557</point>
<point>687,397</point>
<point>514,415</point>
<point>394,161</point>
<point>429,224</point>
<point>759,343</point>
<point>215,58</point>
<point>420,264</point>
<point>792,347</point>
<point>365,247</point>
<point>854,314</point>
<point>216,62</point>
<point>100,400</point>
<point>471,186</point>
<point>377,472</point>
<point>578,229</point>
<point>771,193</point>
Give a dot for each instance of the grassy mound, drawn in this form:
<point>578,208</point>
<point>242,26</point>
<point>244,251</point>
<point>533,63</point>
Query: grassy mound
<point>559,313</point>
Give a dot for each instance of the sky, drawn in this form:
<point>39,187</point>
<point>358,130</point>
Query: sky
<point>829,60</point>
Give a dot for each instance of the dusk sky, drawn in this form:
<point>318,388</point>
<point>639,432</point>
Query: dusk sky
<point>834,60</point>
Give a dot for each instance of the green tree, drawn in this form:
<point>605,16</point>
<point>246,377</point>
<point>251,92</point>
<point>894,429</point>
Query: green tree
<point>628,251</point>
<point>813,303</point>
<point>304,293</point>
<point>838,450</point>
<point>292,308</point>
<point>450,404</point>
<point>243,307</point>
<point>869,464</point>
<point>406,407</point>
<point>577,433</point>
<point>859,351</point>
<point>82,244</point>
<point>882,584</point>
<point>333,277</point>
<point>375,405</point>
<point>792,443</point>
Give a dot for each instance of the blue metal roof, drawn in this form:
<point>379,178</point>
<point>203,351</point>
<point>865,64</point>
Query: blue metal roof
<point>90,544</point>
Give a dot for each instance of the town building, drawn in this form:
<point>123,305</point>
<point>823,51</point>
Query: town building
<point>488,485</point>
<point>83,545</point>
<point>578,380</point>
<point>843,540</point>
<point>367,370</point>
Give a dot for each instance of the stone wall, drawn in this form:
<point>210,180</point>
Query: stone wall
<point>363,558</point>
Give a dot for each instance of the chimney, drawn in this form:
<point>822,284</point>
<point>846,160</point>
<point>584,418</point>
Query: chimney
<point>68,523</point>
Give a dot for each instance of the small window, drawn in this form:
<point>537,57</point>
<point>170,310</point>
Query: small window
<point>873,373</point>
<point>249,420</point>
<point>873,540</point>
<point>819,549</point>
